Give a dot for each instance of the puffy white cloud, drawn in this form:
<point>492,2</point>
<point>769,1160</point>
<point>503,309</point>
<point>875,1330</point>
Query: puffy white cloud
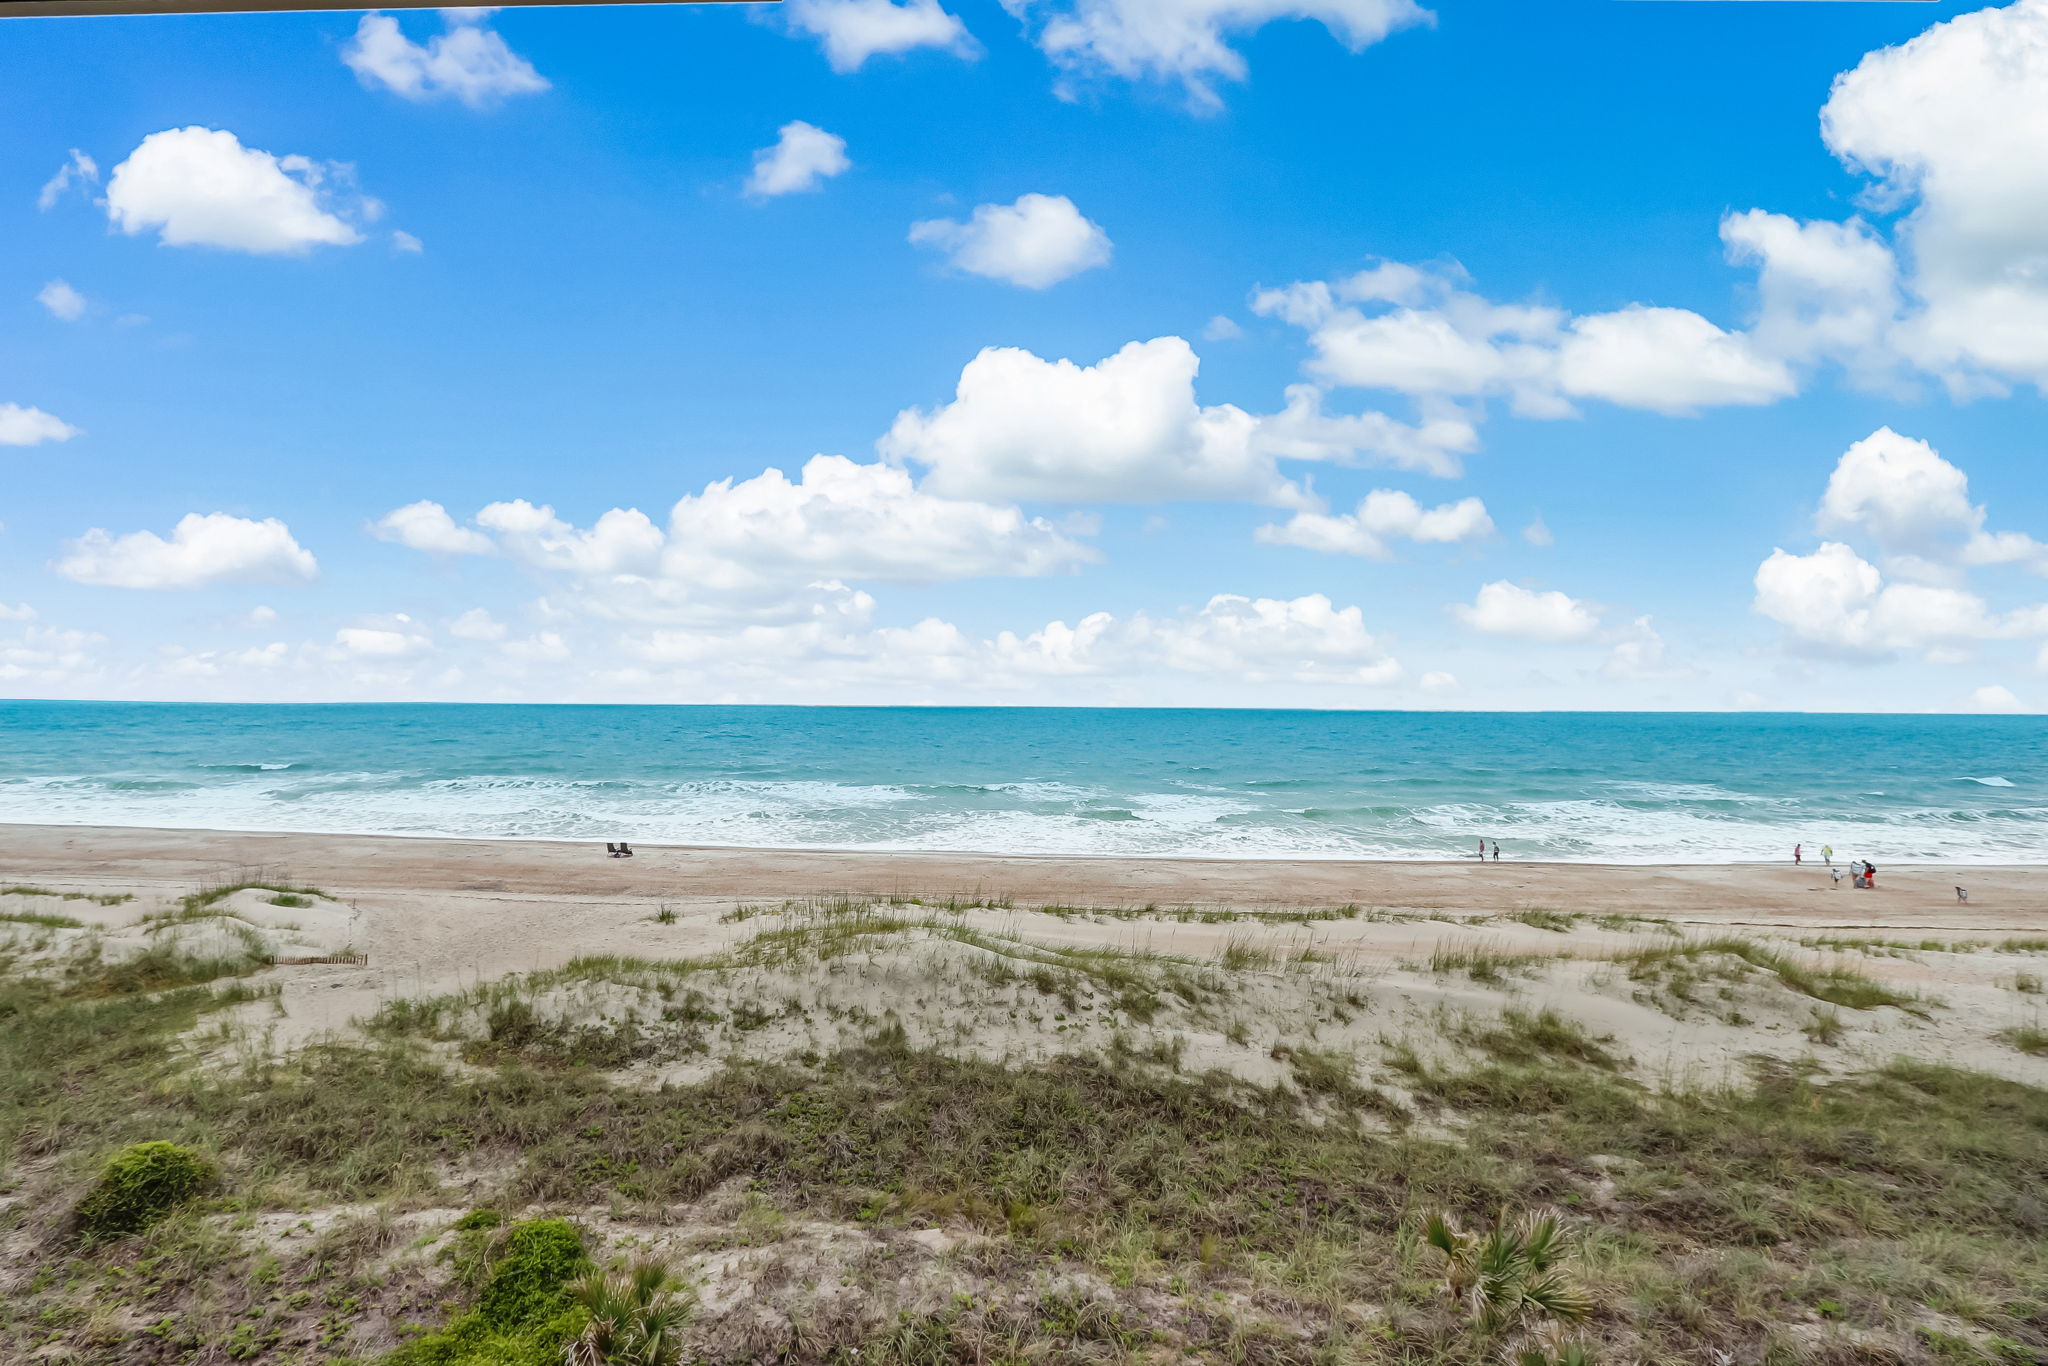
<point>1419,332</point>
<point>1668,360</point>
<point>1188,41</point>
<point>21,611</point>
<point>426,525</point>
<point>1953,123</point>
<point>64,303</point>
<point>1124,430</point>
<point>1383,515</point>
<point>477,624</point>
<point>803,156</point>
<point>1440,684</point>
<point>1917,507</point>
<point>405,244</point>
<point>621,541</point>
<point>78,169</point>
<point>467,61</point>
<point>22,426</point>
<point>1304,640</point>
<point>400,637</point>
<point>852,31</point>
<point>1835,600</point>
<point>1303,431</point>
<point>1036,242</point>
<point>201,187</point>
<point>843,519</point>
<point>1995,698</point>
<point>1538,534</point>
<point>1221,328</point>
<point>546,647</point>
<point>1507,609</point>
<point>1824,290</point>
<point>758,548</point>
<point>44,655</point>
<point>203,549</point>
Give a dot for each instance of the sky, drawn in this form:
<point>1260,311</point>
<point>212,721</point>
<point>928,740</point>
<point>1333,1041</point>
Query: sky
<point>1290,353</point>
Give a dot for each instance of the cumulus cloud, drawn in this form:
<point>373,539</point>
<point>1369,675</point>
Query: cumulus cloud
<point>46,656</point>
<point>1420,332</point>
<point>762,546</point>
<point>1507,609</point>
<point>78,169</point>
<point>394,638</point>
<point>1035,243</point>
<point>1384,515</point>
<point>1916,506</point>
<point>851,31</point>
<point>1952,123</point>
<point>1538,533</point>
<point>1124,430</point>
<point>1825,291</point>
<point>1835,601</point>
<point>1222,327</point>
<point>23,426</point>
<point>200,187</point>
<point>426,525</point>
<point>803,157</point>
<point>203,549</point>
<point>467,61</point>
<point>20,611</point>
<point>1188,42</point>
<point>1639,656</point>
<point>1995,698</point>
<point>64,303</point>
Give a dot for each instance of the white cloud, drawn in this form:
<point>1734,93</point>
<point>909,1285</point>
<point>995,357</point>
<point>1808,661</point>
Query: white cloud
<point>1953,122</point>
<point>260,616</point>
<point>1440,684</point>
<point>19,612</point>
<point>1538,534</point>
<point>64,302</point>
<point>1036,242</point>
<point>1383,515</point>
<point>44,655</point>
<point>1188,41</point>
<point>1221,328</point>
<point>20,426</point>
<point>621,541</point>
<point>201,187</point>
<point>1667,360</point>
<point>467,61</point>
<point>203,549</point>
<point>852,31</point>
<point>405,243</point>
<point>1835,600</point>
<point>803,156</point>
<point>1639,656</point>
<point>1824,290</point>
<point>843,519</point>
<point>544,648</point>
<point>426,525</point>
<point>78,169</point>
<point>398,638</point>
<point>1994,698</point>
<point>1124,430</point>
<point>1419,332</point>
<point>1917,508</point>
<point>477,624</point>
<point>1507,609</point>
<point>1303,431</point>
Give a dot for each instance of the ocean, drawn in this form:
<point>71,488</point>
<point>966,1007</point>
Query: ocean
<point>1581,787</point>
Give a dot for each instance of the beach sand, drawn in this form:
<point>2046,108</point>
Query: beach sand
<point>434,916</point>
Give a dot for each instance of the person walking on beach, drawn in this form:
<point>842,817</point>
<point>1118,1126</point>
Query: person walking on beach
<point>1482,849</point>
<point>1496,851</point>
<point>1827,856</point>
<point>1795,855</point>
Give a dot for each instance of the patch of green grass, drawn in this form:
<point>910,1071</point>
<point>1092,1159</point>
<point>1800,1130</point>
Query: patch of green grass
<point>2028,1039</point>
<point>96,898</point>
<point>1830,983</point>
<point>1540,918</point>
<point>1522,1038</point>
<point>1489,964</point>
<point>45,919</point>
<point>526,1311</point>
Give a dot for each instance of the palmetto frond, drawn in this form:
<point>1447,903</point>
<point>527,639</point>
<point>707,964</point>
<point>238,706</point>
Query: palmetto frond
<point>636,1319</point>
<point>1510,1273</point>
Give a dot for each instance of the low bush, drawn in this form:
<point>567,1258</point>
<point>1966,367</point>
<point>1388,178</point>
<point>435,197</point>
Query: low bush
<point>527,1312</point>
<point>139,1185</point>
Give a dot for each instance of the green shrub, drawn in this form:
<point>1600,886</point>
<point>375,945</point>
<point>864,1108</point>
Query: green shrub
<point>527,1312</point>
<point>139,1185</point>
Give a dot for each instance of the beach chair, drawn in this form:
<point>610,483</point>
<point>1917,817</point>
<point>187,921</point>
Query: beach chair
<point>614,850</point>
<point>625,849</point>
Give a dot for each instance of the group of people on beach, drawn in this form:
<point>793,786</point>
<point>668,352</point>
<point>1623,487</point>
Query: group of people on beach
<point>1496,851</point>
<point>1862,870</point>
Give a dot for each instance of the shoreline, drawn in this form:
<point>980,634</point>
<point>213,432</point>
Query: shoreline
<point>158,856</point>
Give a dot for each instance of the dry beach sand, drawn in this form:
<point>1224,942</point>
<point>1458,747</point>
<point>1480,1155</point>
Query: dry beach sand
<point>1422,944</point>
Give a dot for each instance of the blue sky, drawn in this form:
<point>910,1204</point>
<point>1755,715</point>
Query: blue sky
<point>1247,352</point>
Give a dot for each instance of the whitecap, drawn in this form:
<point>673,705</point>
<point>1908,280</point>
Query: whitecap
<point>1988,782</point>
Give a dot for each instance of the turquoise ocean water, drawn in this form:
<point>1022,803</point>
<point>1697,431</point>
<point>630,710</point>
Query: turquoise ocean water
<point>1605,787</point>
